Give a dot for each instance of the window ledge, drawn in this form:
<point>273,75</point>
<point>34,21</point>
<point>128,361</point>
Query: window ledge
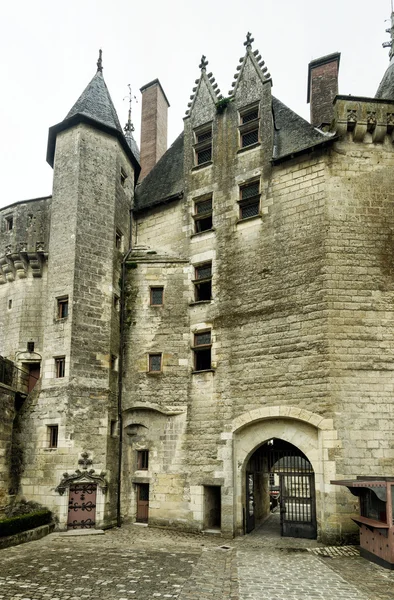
<point>204,371</point>
<point>60,319</point>
<point>259,216</point>
<point>49,449</point>
<point>255,145</point>
<point>206,164</point>
<point>154,373</point>
<point>200,302</point>
<point>196,233</point>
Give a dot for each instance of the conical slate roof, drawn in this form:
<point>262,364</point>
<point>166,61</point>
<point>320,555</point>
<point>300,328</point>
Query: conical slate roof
<point>386,87</point>
<point>95,102</point>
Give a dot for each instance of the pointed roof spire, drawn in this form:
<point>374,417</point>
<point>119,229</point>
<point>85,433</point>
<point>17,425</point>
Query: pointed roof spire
<point>100,62</point>
<point>129,127</point>
<point>386,87</point>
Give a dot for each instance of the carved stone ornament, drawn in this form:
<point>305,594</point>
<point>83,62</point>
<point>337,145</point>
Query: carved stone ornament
<point>352,116</point>
<point>84,475</point>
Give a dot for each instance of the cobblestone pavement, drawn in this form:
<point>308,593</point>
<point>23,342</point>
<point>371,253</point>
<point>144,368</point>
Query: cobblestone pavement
<point>149,564</point>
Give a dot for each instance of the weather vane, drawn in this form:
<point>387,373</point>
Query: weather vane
<point>129,127</point>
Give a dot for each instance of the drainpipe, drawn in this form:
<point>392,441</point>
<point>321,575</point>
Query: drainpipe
<point>120,378</point>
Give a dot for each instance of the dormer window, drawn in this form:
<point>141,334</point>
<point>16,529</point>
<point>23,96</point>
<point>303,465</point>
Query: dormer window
<point>249,126</point>
<point>203,145</point>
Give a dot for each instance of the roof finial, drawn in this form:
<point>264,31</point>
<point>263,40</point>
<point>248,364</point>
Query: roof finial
<point>249,40</point>
<point>129,127</point>
<point>100,62</point>
<point>203,64</point>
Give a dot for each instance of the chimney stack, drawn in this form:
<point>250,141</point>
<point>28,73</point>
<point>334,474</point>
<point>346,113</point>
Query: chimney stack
<point>322,88</point>
<point>153,125</point>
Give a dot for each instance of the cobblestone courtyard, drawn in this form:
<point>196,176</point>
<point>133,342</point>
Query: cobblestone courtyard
<point>141,563</point>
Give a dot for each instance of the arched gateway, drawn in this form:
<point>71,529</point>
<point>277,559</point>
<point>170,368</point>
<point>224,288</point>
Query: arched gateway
<point>280,477</point>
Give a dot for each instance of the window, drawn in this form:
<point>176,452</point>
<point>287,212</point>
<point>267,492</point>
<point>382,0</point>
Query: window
<point>119,240</point>
<point>203,145</point>
<point>142,460</point>
<point>114,428</point>
<point>202,351</point>
<point>52,435</point>
<point>114,362</point>
<point>9,223</point>
<point>203,215</point>
<point>249,126</point>
<point>9,304</point>
<point>203,282</point>
<point>156,296</point>
<point>60,366</point>
<point>62,307</point>
<point>116,302</point>
<point>154,363</point>
<point>249,202</point>
<point>123,177</point>
<point>30,346</point>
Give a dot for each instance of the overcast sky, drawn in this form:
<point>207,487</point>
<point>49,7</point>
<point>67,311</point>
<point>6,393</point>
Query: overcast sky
<point>49,49</point>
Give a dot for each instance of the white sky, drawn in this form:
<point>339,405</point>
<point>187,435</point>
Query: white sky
<point>49,49</point>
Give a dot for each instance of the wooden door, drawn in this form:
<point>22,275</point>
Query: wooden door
<point>82,506</point>
<point>142,502</point>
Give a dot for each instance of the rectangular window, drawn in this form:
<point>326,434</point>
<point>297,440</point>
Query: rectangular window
<point>62,307</point>
<point>203,145</point>
<point>156,296</point>
<point>9,223</point>
<point>203,282</point>
<point>60,366</point>
<point>249,202</point>
<point>114,362</point>
<point>202,351</point>
<point>249,126</point>
<point>154,363</point>
<point>202,215</point>
<point>119,240</point>
<point>142,460</point>
<point>30,346</point>
<point>53,434</point>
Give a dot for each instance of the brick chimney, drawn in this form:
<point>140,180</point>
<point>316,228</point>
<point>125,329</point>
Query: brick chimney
<point>153,125</point>
<point>322,88</point>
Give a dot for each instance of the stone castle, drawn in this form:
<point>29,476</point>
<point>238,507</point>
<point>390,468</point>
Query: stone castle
<point>184,330</point>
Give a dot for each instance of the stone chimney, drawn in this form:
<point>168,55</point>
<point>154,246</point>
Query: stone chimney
<point>153,125</point>
<point>322,88</point>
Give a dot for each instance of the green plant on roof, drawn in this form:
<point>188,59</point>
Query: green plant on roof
<point>222,104</point>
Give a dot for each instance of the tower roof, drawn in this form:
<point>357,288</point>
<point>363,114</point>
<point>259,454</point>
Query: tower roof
<point>386,87</point>
<point>94,107</point>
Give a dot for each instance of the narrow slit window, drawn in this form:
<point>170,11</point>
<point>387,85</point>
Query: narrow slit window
<point>119,240</point>
<point>60,366</point>
<point>157,296</point>
<point>155,363</point>
<point>249,202</point>
<point>9,223</point>
<point>202,351</point>
<point>123,177</point>
<point>30,346</point>
<point>203,282</point>
<point>249,128</point>
<point>53,436</point>
<point>203,215</point>
<point>114,362</point>
<point>142,460</point>
<point>203,145</point>
<point>62,307</point>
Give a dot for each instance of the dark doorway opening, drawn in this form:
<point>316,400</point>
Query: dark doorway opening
<point>142,502</point>
<point>212,507</point>
<point>33,374</point>
<point>279,477</point>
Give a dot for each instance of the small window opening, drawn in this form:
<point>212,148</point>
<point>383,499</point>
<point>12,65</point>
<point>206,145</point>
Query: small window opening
<point>114,428</point>
<point>154,363</point>
<point>116,302</point>
<point>114,362</point>
<point>202,351</point>
<point>249,126</point>
<point>9,223</point>
<point>142,460</point>
<point>60,366</point>
<point>53,435</point>
<point>30,346</point>
<point>249,202</point>
<point>62,307</point>
<point>203,282</point>
<point>156,296</point>
<point>9,304</point>
<point>203,215</point>
<point>119,240</point>
<point>203,145</point>
<point>123,177</point>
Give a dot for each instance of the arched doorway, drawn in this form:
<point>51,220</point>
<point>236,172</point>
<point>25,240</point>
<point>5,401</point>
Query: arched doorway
<point>278,473</point>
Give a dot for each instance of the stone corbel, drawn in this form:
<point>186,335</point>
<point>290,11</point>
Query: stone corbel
<point>7,268</point>
<point>35,262</point>
<point>20,265</point>
<point>360,130</point>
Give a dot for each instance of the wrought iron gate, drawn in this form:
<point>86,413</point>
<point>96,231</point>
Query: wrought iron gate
<point>82,506</point>
<point>250,503</point>
<point>297,505</point>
